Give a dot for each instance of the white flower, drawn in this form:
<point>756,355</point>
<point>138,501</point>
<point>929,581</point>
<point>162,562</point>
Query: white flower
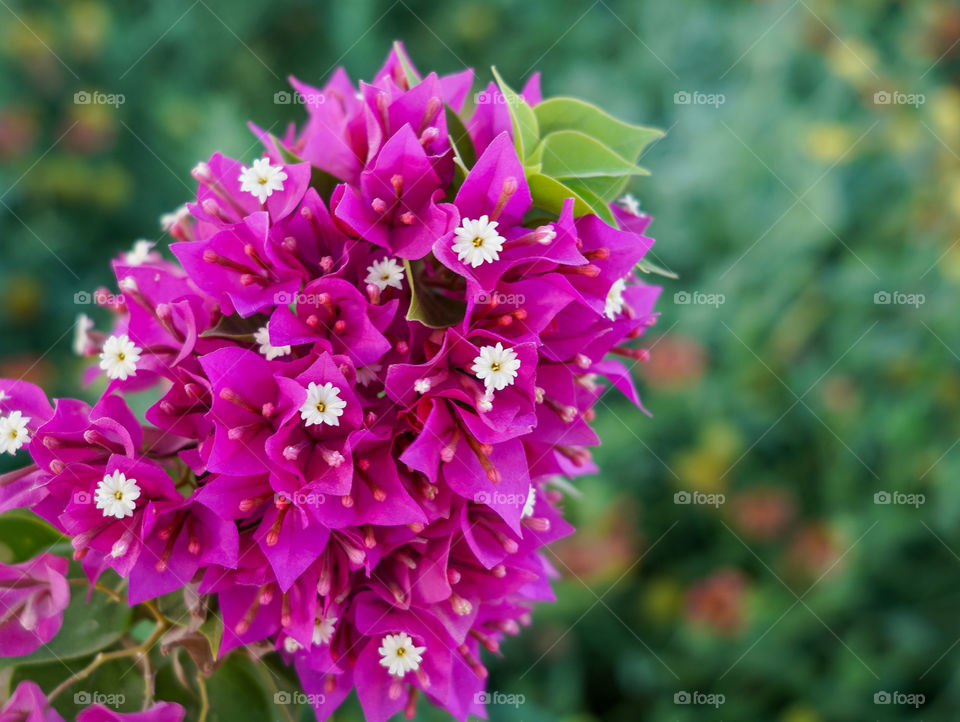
<point>262,179</point>
<point>399,655</point>
<point>385,273</point>
<point>323,630</point>
<point>291,645</point>
<point>629,203</point>
<point>119,357</point>
<point>478,241</point>
<point>323,405</point>
<point>13,432</point>
<point>366,375</point>
<point>169,220</point>
<point>140,253</point>
<point>116,495</point>
<point>614,304</point>
<point>81,334</point>
<point>496,366</point>
<point>262,337</point>
<point>529,503</point>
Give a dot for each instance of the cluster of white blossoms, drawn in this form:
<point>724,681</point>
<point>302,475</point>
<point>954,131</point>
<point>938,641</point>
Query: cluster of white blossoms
<point>477,241</point>
<point>262,179</point>
<point>116,495</point>
<point>13,432</point>
<point>614,304</point>
<point>399,655</point>
<point>119,357</point>
<point>323,405</point>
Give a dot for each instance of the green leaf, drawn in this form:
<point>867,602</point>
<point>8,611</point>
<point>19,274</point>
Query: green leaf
<point>405,63</point>
<point>237,328</point>
<point>549,194</point>
<point>237,692</point>
<point>87,628</point>
<point>572,154</point>
<point>601,208</point>
<point>609,188</point>
<point>427,306</point>
<point>117,684</point>
<point>24,535</point>
<point>526,131</point>
<point>648,266</point>
<point>464,154</point>
<point>572,114</point>
<point>212,629</point>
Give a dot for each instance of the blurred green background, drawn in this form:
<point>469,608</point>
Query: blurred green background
<point>787,195</point>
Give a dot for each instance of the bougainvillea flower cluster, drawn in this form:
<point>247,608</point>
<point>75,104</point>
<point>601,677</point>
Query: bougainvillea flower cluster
<point>374,352</point>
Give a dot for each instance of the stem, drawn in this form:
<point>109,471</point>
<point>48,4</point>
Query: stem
<point>100,588</point>
<point>104,657</point>
<point>204,699</point>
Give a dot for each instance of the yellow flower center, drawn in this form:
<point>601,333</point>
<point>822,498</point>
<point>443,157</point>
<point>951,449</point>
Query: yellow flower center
<point>321,407</point>
<point>401,651</point>
<point>118,495</point>
<point>495,366</point>
<point>477,242</point>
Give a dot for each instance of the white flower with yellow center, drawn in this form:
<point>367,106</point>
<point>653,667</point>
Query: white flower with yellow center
<point>262,179</point>
<point>614,304</point>
<point>385,273</point>
<point>269,352</point>
<point>116,495</point>
<point>291,645</point>
<point>399,655</point>
<point>323,405</point>
<point>496,366</point>
<point>477,241</point>
<point>323,630</point>
<point>13,432</point>
<point>140,253</point>
<point>119,357</point>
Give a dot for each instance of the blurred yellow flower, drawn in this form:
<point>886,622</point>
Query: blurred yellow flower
<point>831,142</point>
<point>852,59</point>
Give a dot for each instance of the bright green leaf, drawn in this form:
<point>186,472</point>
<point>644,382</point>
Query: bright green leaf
<point>24,535</point>
<point>625,139</point>
<point>525,129</point>
<point>405,63</point>
<point>572,154</point>
<point>549,194</point>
